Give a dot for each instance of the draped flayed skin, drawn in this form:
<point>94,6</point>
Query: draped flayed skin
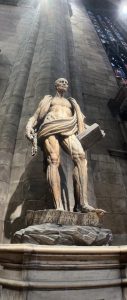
<point>64,127</point>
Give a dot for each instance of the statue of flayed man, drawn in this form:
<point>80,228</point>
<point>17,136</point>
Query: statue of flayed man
<point>57,121</point>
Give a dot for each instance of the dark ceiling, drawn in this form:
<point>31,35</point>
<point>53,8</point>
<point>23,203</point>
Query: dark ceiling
<point>94,3</point>
<point>100,4</point>
<point>9,2</point>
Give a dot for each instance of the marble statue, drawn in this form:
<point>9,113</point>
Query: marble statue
<point>57,122</point>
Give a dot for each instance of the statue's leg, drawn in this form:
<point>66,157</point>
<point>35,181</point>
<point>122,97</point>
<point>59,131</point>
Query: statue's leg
<point>74,148</point>
<point>52,150</point>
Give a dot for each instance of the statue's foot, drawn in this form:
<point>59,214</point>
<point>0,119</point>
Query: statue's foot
<point>60,208</point>
<point>77,208</point>
<point>87,208</point>
<point>100,212</point>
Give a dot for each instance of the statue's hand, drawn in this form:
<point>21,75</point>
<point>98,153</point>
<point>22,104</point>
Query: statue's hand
<point>30,133</point>
<point>103,133</point>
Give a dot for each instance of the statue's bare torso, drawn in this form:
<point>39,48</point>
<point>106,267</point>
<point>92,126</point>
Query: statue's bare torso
<point>60,108</point>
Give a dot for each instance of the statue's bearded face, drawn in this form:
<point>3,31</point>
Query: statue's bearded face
<point>61,85</point>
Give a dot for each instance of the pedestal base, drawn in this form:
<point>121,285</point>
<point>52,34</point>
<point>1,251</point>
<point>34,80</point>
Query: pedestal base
<point>53,227</point>
<point>52,234</point>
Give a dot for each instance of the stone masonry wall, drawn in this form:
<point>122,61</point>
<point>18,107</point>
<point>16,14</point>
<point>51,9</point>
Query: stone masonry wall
<point>18,47</point>
<point>98,86</point>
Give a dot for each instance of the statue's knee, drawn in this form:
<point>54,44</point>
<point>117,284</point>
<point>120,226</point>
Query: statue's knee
<point>79,157</point>
<point>53,159</point>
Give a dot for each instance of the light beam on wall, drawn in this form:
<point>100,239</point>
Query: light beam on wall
<point>123,9</point>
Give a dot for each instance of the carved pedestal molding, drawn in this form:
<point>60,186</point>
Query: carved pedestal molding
<point>55,271</point>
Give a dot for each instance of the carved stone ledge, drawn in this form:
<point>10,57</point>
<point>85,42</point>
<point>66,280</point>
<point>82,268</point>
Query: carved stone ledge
<point>118,153</point>
<point>59,272</point>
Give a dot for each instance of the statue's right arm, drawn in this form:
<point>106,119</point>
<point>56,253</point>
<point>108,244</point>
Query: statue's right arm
<point>32,122</point>
<point>41,111</point>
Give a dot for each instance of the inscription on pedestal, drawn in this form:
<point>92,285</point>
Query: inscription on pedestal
<point>62,218</point>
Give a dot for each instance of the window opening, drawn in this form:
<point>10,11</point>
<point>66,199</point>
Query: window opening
<point>114,44</point>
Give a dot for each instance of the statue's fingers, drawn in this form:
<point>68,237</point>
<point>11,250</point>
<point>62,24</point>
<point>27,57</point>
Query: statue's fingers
<point>32,131</point>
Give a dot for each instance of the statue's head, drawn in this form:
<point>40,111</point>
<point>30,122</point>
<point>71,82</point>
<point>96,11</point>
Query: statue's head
<point>61,85</point>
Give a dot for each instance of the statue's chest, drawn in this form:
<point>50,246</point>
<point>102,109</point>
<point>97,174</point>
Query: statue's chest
<point>60,102</point>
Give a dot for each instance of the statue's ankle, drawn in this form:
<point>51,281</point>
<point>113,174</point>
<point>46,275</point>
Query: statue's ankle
<point>87,208</point>
<point>77,208</point>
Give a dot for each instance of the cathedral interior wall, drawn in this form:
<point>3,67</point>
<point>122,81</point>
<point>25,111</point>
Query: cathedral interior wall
<point>38,45</point>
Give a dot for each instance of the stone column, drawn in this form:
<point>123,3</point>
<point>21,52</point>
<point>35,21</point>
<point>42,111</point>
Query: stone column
<point>28,187</point>
<point>98,86</point>
<point>13,102</point>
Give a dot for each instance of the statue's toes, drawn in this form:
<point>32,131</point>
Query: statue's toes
<point>100,212</point>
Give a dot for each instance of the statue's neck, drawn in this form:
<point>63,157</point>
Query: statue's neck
<point>59,95</point>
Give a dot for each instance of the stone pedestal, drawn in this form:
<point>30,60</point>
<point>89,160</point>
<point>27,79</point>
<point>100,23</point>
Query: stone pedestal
<point>52,227</point>
<point>52,234</point>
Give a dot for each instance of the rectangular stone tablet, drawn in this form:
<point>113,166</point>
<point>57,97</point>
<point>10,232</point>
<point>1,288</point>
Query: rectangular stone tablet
<point>91,135</point>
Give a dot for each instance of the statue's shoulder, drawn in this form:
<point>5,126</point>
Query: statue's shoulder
<point>46,98</point>
<point>72,100</point>
<point>73,103</point>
